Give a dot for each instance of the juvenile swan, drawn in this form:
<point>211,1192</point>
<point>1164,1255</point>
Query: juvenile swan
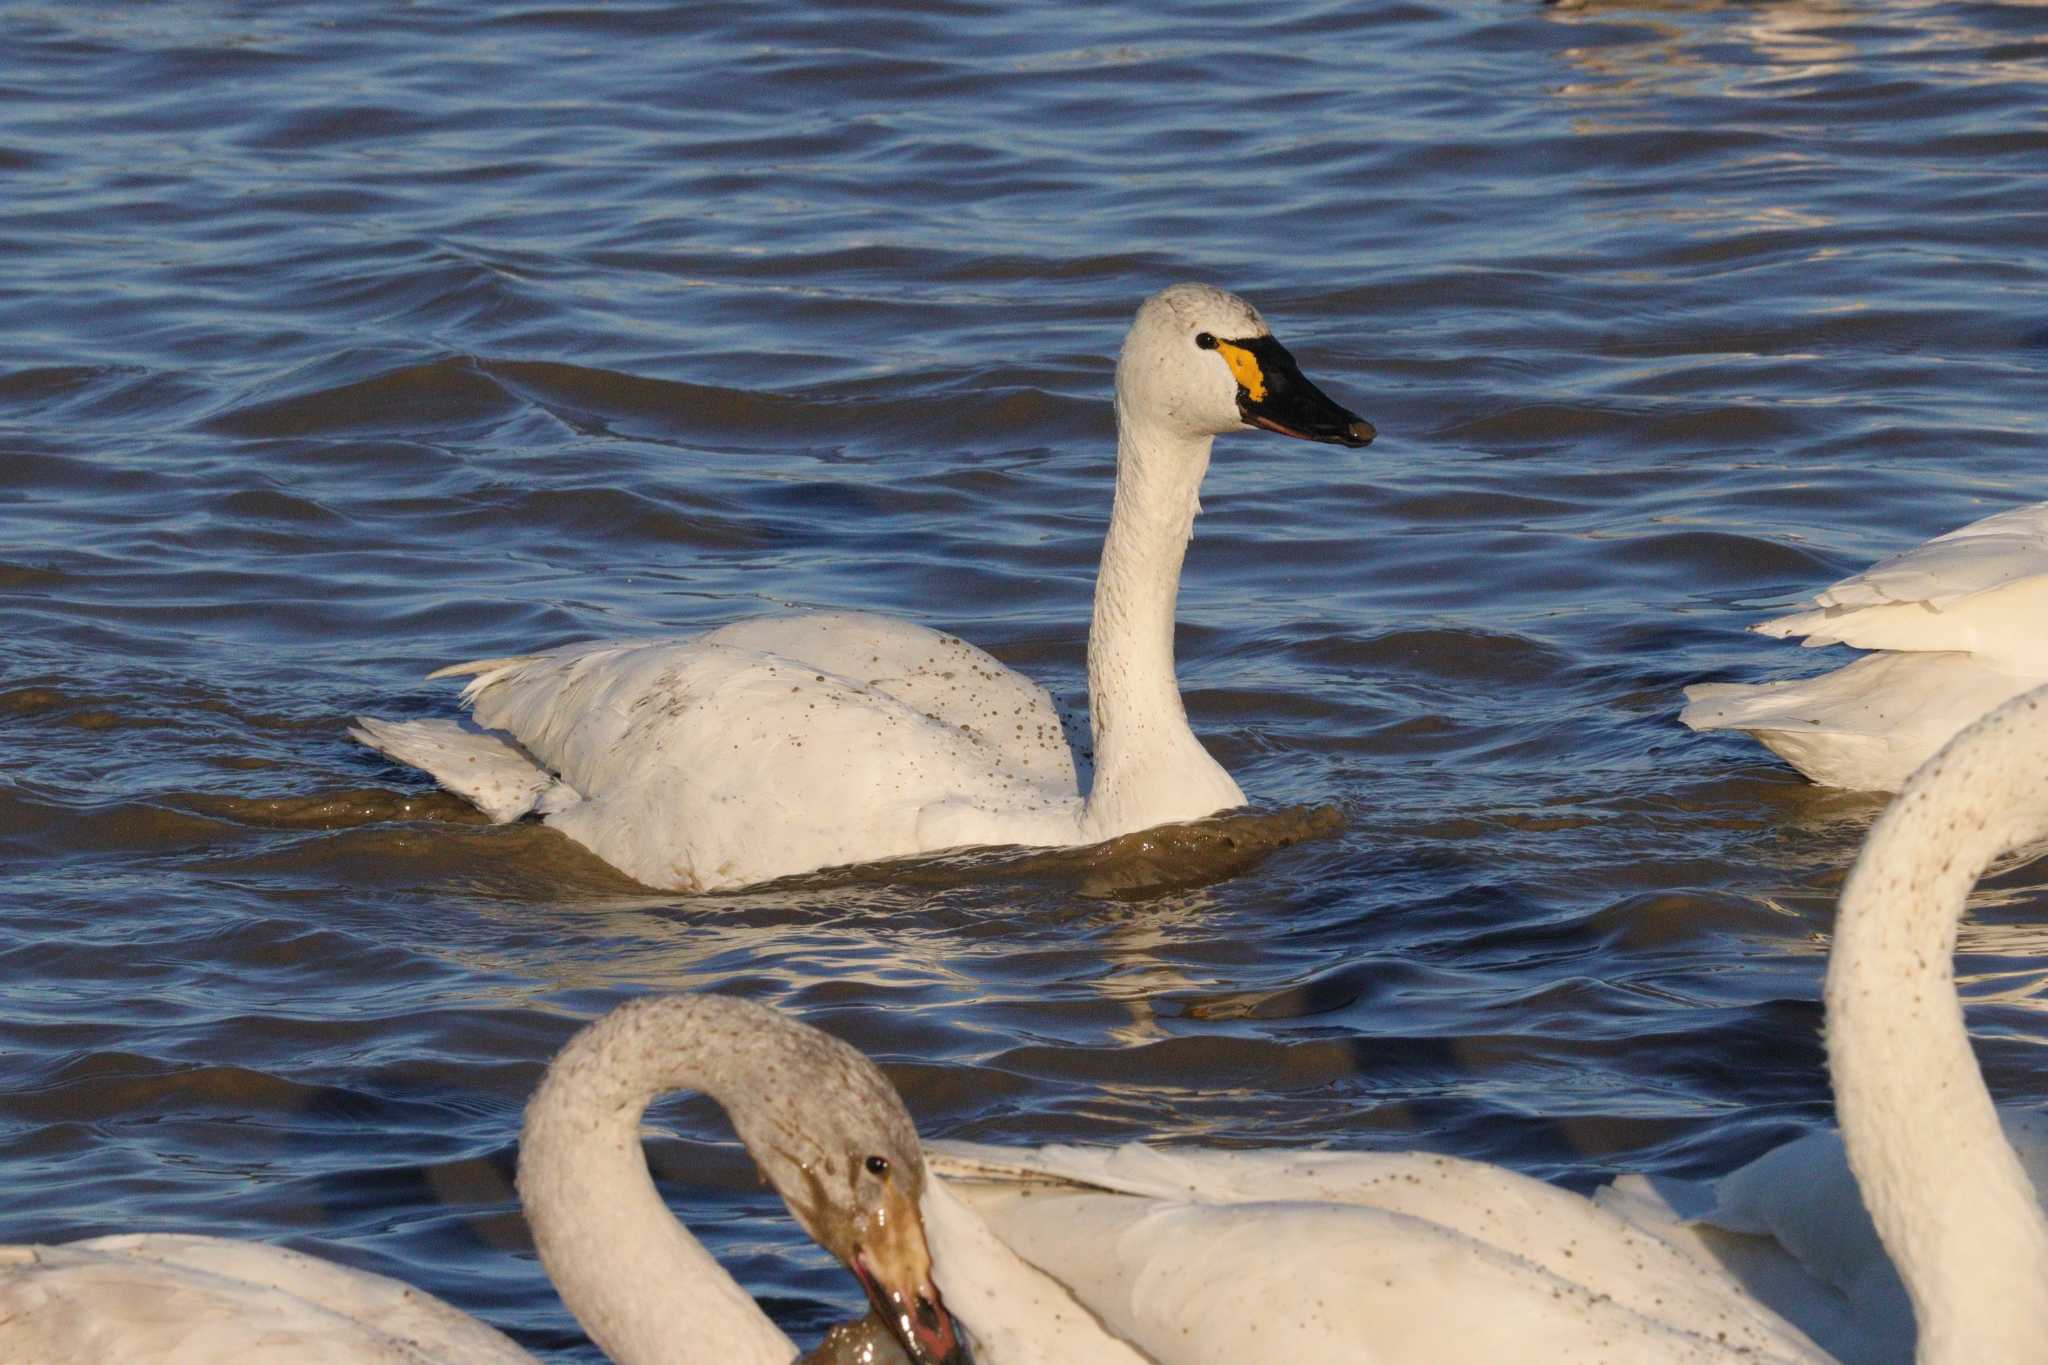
<point>824,1126</point>
<point>1956,626</point>
<point>778,745</point>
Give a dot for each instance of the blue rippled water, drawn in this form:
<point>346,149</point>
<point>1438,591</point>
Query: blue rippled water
<point>337,344</point>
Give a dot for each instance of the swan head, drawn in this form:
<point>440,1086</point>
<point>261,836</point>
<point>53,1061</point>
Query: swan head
<point>1202,362</point>
<point>830,1133</point>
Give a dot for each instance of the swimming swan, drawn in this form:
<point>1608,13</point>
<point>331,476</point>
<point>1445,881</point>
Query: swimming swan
<point>823,1124</point>
<point>1945,1175</point>
<point>1959,624</point>
<point>778,745</point>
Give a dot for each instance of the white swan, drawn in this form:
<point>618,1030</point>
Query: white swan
<point>1151,1240</point>
<point>1945,1175</point>
<point>1959,624</point>
<point>779,745</point>
<point>823,1124</point>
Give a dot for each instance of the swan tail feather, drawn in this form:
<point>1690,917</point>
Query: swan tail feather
<point>485,769</point>
<point>480,666</point>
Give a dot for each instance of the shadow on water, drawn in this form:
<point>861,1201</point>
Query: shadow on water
<point>434,838</point>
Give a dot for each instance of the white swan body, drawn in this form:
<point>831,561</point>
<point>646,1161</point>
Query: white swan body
<point>170,1299</point>
<point>1315,1258</point>
<point>773,747</point>
<point>1959,625</point>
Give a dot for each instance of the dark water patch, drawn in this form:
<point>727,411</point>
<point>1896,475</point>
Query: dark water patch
<point>34,388</point>
<point>449,394</point>
<point>332,810</point>
<point>112,1086</point>
<point>29,578</point>
<point>37,829</point>
<point>522,861</point>
<point>1366,986</point>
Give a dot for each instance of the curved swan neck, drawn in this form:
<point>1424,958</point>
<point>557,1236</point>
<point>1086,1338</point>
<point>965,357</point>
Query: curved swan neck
<point>634,1276</point>
<point>1149,767</point>
<point>1951,1202</point>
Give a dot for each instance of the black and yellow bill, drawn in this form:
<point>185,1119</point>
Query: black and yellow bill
<point>1273,393</point>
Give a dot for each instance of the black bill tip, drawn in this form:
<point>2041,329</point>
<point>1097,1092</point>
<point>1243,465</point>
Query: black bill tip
<point>1274,395</point>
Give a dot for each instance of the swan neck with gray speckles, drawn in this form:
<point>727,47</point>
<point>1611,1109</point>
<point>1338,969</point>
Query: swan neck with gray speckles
<point>633,1275</point>
<point>1950,1199</point>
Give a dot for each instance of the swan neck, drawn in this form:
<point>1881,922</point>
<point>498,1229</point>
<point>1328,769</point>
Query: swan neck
<point>631,1273</point>
<point>1149,767</point>
<point>1949,1197</point>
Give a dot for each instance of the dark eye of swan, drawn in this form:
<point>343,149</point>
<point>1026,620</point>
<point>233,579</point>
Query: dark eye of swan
<point>878,1165</point>
<point>1205,341</point>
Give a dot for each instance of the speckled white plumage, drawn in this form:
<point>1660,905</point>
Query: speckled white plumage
<point>771,746</point>
<point>1206,1257</point>
<point>1959,625</point>
<point>170,1299</point>
<point>777,746</point>
<point>1791,1225</point>
<point>1945,1188</point>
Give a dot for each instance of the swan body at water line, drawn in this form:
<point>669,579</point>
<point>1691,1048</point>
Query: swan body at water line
<point>1955,627</point>
<point>785,744</point>
<point>643,1288</point>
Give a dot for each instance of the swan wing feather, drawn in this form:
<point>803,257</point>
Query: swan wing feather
<point>494,775</point>
<point>1146,1236</point>
<point>1966,590</point>
<point>1866,725</point>
<point>780,745</point>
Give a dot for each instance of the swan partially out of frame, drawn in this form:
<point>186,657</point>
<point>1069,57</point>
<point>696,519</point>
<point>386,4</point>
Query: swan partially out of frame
<point>1183,1250</point>
<point>824,1126</point>
<point>1956,626</point>
<point>1792,1226</point>
<point>780,745</point>
<point>1952,1184</point>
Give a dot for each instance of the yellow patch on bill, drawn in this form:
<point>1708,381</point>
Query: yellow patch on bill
<point>1245,366</point>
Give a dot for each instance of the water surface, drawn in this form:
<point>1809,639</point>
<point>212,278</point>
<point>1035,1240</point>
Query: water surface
<point>340,344</point>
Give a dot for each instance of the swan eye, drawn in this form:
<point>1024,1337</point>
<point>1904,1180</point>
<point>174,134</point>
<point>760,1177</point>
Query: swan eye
<point>1205,341</point>
<point>878,1165</point>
